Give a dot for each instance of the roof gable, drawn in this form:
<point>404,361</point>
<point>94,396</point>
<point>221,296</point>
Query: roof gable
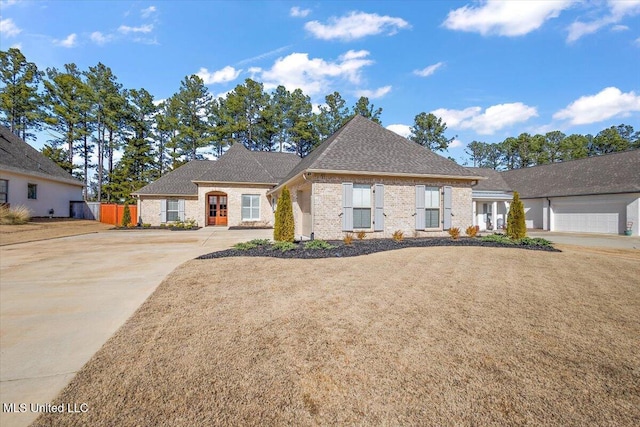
<point>178,181</point>
<point>18,156</point>
<point>494,182</point>
<point>364,146</point>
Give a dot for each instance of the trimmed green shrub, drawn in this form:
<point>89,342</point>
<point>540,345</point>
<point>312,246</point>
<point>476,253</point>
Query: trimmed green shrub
<point>516,227</point>
<point>244,246</point>
<point>318,244</point>
<point>126,216</point>
<point>537,241</point>
<point>260,242</point>
<point>284,246</point>
<point>499,238</point>
<point>284,228</point>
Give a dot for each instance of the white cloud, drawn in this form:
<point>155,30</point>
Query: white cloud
<point>373,94</point>
<point>618,9</point>
<point>426,72</point>
<point>299,13</point>
<point>619,28</point>
<point>356,25</point>
<point>224,75</point>
<point>637,41</point>
<point>148,11</point>
<point>456,143</point>
<point>402,130</point>
<point>505,18</point>
<point>98,38</point>
<point>607,103</point>
<point>125,29</point>
<point>7,3</point>
<point>315,75</point>
<point>70,41</point>
<point>491,120</point>
<point>8,28</point>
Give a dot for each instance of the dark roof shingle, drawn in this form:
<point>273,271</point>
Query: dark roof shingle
<point>605,174</point>
<point>178,182</point>
<point>18,156</point>
<point>364,146</point>
<point>494,181</point>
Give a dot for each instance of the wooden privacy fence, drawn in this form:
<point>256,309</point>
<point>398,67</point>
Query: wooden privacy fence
<point>110,213</point>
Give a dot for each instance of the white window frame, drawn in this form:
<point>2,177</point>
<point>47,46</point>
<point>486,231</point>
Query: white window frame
<point>250,202</point>
<point>173,215</point>
<point>432,204</point>
<point>362,204</point>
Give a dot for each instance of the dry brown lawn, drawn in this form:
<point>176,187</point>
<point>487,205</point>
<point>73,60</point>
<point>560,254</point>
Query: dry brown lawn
<point>44,228</point>
<point>420,336</point>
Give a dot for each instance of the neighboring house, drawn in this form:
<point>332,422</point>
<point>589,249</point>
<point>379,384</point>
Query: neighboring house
<point>491,200</point>
<point>598,194</point>
<point>28,178</point>
<point>364,177</point>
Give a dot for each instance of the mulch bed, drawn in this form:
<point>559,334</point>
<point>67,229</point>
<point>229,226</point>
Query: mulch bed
<point>364,247</point>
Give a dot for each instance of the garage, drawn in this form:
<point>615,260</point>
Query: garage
<point>591,217</point>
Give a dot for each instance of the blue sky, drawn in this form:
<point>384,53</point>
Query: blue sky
<point>490,69</point>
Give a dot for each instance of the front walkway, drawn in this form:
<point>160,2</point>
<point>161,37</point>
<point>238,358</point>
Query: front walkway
<point>61,299</point>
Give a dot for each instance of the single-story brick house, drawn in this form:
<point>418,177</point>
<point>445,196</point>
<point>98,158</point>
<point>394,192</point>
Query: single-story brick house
<point>598,194</point>
<point>30,179</point>
<point>364,177</point>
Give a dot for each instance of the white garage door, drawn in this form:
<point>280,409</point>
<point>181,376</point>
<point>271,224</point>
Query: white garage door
<point>590,218</point>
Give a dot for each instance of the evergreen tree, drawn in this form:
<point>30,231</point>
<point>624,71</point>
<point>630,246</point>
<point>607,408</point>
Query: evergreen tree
<point>428,131</point>
<point>333,115</point>
<point>192,103</point>
<point>20,103</point>
<point>284,229</point>
<point>126,216</point>
<point>516,226</point>
<point>365,109</point>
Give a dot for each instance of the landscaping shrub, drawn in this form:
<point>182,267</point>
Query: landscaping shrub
<point>348,239</point>
<point>146,225</point>
<point>499,238</point>
<point>283,230</point>
<point>398,236</point>
<point>284,246</point>
<point>260,242</point>
<point>244,246</point>
<point>454,232</point>
<point>126,216</point>
<point>14,216</point>
<point>537,241</point>
<point>318,244</point>
<point>516,227</point>
<point>471,231</point>
<point>361,235</point>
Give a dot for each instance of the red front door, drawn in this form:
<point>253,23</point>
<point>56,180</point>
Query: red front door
<point>217,209</point>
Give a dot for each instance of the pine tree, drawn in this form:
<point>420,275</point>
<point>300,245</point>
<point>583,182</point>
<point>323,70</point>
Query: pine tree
<point>516,227</point>
<point>284,229</point>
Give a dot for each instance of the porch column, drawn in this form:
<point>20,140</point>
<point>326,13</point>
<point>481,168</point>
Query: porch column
<point>494,215</point>
<point>474,213</point>
<point>506,212</point>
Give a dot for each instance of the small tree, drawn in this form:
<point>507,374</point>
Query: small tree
<point>283,231</point>
<point>126,216</point>
<point>516,227</point>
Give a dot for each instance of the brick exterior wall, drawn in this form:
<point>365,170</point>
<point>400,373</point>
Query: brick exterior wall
<point>399,205</point>
<point>149,208</point>
<point>234,202</point>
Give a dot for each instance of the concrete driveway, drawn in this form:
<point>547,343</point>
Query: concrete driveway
<point>61,299</point>
<point>589,239</point>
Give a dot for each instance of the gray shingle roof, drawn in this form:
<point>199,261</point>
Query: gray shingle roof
<point>18,156</point>
<point>494,181</point>
<point>241,165</point>
<point>610,173</point>
<point>178,182</point>
<point>364,146</point>
<point>236,165</point>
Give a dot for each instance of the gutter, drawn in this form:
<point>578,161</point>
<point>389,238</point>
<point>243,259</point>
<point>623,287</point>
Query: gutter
<point>309,172</point>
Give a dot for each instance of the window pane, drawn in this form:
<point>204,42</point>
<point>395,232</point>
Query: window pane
<point>432,197</point>
<point>172,205</point>
<point>246,213</point>
<point>255,213</point>
<point>432,218</point>
<point>362,218</point>
<point>32,191</point>
<point>172,216</point>
<point>3,185</point>
<point>362,195</point>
